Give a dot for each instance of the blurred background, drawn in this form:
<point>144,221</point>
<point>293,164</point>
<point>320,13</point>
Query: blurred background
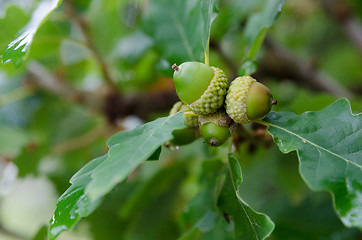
<point>96,67</point>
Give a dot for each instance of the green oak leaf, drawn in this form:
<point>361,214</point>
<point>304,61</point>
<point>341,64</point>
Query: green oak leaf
<point>248,224</point>
<point>329,147</point>
<point>256,29</point>
<point>17,50</point>
<point>151,205</point>
<point>263,19</point>
<point>180,29</point>
<point>204,226</point>
<point>41,234</point>
<point>128,149</point>
<point>155,155</point>
<point>74,203</point>
<point>201,216</point>
<point>209,13</point>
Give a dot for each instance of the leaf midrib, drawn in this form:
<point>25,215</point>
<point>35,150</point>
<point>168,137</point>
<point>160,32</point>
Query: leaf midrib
<point>236,189</point>
<point>182,33</point>
<point>313,144</point>
<point>247,215</point>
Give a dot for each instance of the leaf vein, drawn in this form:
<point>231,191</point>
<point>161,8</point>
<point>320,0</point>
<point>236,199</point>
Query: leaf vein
<point>182,33</point>
<point>315,145</point>
<point>247,215</point>
<point>346,137</point>
<point>318,165</point>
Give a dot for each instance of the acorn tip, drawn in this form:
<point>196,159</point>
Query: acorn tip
<point>175,67</point>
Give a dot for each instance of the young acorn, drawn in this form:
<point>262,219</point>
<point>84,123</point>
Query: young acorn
<point>190,133</point>
<point>215,128</point>
<point>248,100</point>
<point>201,87</point>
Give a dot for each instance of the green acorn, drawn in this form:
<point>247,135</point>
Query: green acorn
<point>190,133</point>
<point>201,87</point>
<point>215,128</point>
<point>184,136</point>
<point>248,100</point>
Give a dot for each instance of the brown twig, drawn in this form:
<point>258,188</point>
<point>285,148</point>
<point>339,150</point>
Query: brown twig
<point>116,105</point>
<point>15,95</point>
<point>83,25</point>
<point>112,105</point>
<point>84,140</point>
<point>41,77</point>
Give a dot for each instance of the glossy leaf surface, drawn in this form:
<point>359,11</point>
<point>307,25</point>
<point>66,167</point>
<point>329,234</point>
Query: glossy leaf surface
<point>328,143</point>
<point>74,203</point>
<point>19,48</point>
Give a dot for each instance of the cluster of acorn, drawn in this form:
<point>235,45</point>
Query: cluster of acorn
<point>211,106</point>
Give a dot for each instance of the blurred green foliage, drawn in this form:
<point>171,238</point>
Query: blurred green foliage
<point>49,135</point>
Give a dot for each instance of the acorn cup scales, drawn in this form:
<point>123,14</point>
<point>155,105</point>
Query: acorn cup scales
<point>201,87</point>
<point>248,100</point>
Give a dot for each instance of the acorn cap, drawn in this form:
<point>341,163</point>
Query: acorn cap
<point>247,100</point>
<point>219,117</point>
<point>201,87</point>
<point>213,98</point>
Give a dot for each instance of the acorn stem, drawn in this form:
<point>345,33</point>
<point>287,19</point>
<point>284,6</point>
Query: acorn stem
<point>207,55</point>
<point>175,67</point>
